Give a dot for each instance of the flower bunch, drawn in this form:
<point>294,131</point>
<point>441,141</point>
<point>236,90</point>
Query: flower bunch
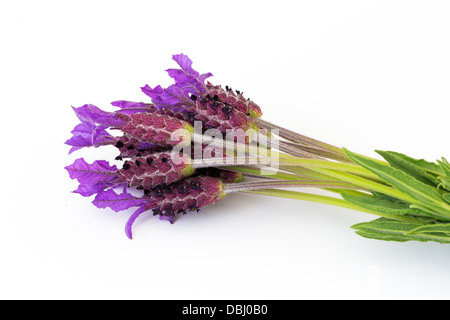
<point>171,164</point>
<point>162,181</point>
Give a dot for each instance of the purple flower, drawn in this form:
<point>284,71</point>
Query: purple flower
<point>187,81</point>
<point>90,174</point>
<point>92,129</point>
<point>187,76</point>
<point>153,170</point>
<point>190,194</point>
<point>130,107</point>
<point>88,135</point>
<point>117,202</point>
<point>94,177</point>
<point>146,140</point>
<point>156,129</point>
<point>87,190</point>
<point>92,114</point>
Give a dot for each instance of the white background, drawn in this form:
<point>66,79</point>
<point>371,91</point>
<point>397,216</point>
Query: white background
<point>361,74</point>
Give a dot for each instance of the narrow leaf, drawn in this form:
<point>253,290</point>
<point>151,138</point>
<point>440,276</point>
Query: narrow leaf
<point>410,166</point>
<point>383,196</point>
<point>446,196</point>
<point>445,166</point>
<point>391,230</point>
<point>384,237</point>
<point>382,206</point>
<point>432,228</point>
<point>420,193</point>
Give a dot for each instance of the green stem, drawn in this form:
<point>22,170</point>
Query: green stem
<point>325,164</point>
<point>255,171</point>
<point>277,184</point>
<point>369,184</point>
<point>325,200</point>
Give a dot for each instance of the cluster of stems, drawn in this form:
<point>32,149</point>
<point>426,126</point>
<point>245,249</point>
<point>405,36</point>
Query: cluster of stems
<point>303,162</point>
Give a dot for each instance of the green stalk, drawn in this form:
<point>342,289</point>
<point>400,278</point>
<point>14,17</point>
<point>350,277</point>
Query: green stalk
<point>289,160</point>
<point>256,171</point>
<point>326,200</point>
<point>325,164</point>
<point>369,184</point>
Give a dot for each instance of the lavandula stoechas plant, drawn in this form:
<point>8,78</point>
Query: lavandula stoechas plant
<point>410,196</point>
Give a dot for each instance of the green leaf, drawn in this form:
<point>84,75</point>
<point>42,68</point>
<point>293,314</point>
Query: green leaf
<point>441,228</point>
<point>382,206</point>
<point>384,237</point>
<point>445,166</point>
<point>415,168</point>
<point>445,182</point>
<point>430,167</point>
<point>383,196</point>
<point>392,230</point>
<point>445,177</point>
<point>385,229</point>
<point>418,192</point>
<point>446,196</point>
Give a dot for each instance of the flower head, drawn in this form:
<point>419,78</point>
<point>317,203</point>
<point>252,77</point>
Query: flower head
<point>215,107</point>
<point>157,129</point>
<point>154,170</point>
<point>165,201</point>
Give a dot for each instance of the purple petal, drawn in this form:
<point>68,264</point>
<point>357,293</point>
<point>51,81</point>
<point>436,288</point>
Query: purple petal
<point>79,141</point>
<point>185,63</point>
<point>133,218</point>
<point>147,145</point>
<point>181,91</point>
<point>128,104</point>
<point>73,149</point>
<point>152,93</point>
<point>92,114</point>
<point>87,135</point>
<point>100,135</point>
<point>87,190</point>
<point>180,76</point>
<point>117,202</point>
<point>171,219</point>
<point>91,174</point>
<point>161,97</point>
<point>130,107</point>
<point>187,81</point>
<point>83,129</point>
<point>205,76</point>
<point>190,75</point>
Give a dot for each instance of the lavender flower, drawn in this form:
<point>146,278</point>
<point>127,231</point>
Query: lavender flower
<point>153,170</point>
<point>165,201</point>
<point>94,177</point>
<point>412,196</point>
<point>156,129</point>
<point>213,106</point>
<point>187,82</point>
